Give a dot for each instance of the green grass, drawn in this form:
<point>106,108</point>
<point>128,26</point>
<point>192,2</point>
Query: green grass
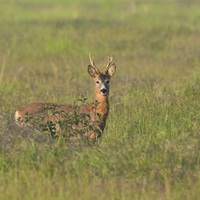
<point>150,148</point>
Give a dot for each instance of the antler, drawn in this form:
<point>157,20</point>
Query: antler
<point>93,64</point>
<point>110,59</point>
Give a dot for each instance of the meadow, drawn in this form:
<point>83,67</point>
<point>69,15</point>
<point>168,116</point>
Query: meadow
<point>150,148</point>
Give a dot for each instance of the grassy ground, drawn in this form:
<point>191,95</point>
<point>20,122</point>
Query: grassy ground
<point>151,146</point>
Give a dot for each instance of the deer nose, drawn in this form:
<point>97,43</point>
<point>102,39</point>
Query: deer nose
<point>103,90</point>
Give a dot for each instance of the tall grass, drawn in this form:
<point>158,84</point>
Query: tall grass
<point>150,148</point>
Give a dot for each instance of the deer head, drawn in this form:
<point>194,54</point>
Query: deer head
<point>102,79</point>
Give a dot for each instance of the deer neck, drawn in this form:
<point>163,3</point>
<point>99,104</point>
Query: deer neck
<point>101,104</point>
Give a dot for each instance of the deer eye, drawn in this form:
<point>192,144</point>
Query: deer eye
<point>97,82</point>
<point>107,82</point>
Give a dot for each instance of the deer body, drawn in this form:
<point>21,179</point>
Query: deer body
<point>96,113</point>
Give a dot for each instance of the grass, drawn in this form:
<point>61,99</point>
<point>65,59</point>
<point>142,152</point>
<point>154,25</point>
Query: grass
<point>150,148</point>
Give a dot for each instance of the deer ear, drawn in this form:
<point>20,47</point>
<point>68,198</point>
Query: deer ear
<point>92,71</point>
<point>111,70</point>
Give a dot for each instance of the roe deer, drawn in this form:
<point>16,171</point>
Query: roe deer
<point>94,114</point>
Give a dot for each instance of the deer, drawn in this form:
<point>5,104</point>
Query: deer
<point>94,114</point>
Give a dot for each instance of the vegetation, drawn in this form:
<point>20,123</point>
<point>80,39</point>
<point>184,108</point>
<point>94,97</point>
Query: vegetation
<point>150,148</point>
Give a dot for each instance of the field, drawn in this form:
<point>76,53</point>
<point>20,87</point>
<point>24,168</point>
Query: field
<point>150,148</point>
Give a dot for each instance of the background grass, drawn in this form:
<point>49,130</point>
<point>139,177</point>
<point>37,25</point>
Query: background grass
<point>151,146</point>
